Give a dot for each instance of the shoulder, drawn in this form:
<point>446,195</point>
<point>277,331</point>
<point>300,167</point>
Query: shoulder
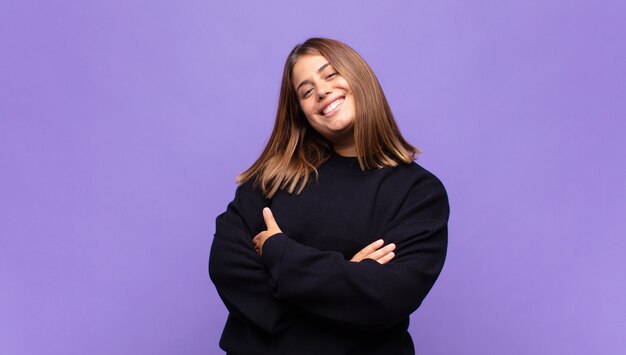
<point>425,189</point>
<point>417,175</point>
<point>249,194</point>
<point>246,207</point>
<point>425,177</point>
<point>248,187</point>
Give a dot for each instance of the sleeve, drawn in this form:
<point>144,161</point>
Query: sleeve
<point>367,294</point>
<point>236,270</point>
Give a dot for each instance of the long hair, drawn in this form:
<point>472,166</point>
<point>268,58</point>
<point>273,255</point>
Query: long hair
<point>295,150</point>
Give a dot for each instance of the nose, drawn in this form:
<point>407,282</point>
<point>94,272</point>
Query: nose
<point>323,89</point>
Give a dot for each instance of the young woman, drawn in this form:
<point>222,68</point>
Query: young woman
<point>335,234</point>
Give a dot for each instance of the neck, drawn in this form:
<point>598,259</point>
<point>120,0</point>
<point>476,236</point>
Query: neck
<point>343,144</point>
<point>345,150</point>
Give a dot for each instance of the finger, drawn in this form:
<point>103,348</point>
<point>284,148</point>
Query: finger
<point>382,251</point>
<point>255,244</point>
<point>270,222</point>
<point>256,241</point>
<point>367,250</point>
<point>371,247</point>
<point>387,258</point>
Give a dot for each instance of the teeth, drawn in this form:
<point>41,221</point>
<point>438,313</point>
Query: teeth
<point>333,105</point>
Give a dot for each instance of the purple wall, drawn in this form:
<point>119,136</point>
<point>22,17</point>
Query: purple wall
<point>124,123</point>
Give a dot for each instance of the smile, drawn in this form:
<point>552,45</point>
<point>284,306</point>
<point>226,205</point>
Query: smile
<point>333,106</point>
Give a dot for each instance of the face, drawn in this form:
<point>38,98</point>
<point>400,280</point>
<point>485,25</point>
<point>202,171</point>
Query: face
<point>325,98</point>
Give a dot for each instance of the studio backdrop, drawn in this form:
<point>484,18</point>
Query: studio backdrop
<point>124,123</point>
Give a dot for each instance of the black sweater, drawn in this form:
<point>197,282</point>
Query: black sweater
<point>304,296</point>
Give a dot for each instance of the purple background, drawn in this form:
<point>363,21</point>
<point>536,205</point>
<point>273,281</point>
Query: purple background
<point>124,123</point>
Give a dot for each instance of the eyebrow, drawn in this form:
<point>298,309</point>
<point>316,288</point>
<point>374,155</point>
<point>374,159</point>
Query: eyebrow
<point>307,81</point>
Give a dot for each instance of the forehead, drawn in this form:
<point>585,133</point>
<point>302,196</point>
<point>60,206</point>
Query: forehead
<point>306,67</point>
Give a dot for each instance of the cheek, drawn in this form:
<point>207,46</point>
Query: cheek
<point>313,122</point>
<point>352,105</point>
<point>344,84</point>
<point>307,109</point>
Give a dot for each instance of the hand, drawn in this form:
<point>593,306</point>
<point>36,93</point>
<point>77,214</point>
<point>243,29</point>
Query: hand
<point>272,228</point>
<point>374,251</point>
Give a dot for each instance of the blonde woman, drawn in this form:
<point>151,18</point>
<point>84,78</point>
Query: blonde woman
<point>335,234</point>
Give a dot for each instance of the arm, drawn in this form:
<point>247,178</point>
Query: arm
<point>375,251</point>
<point>235,269</point>
<point>367,294</point>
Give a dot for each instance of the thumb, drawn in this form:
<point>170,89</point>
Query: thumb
<point>270,222</point>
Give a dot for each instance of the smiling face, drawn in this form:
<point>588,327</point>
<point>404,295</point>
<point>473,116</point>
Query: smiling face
<point>326,100</point>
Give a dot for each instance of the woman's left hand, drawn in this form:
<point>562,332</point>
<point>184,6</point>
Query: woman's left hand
<point>272,228</point>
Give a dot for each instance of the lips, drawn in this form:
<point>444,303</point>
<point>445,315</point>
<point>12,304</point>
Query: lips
<point>333,106</point>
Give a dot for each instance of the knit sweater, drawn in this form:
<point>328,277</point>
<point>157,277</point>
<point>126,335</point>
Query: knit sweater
<point>304,295</point>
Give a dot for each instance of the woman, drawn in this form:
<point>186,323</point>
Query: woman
<point>335,234</point>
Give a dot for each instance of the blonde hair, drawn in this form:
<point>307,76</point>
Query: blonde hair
<point>295,150</point>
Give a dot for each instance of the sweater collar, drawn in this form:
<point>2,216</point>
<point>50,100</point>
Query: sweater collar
<point>343,164</point>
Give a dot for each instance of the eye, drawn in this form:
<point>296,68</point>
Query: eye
<point>331,75</point>
<point>306,93</point>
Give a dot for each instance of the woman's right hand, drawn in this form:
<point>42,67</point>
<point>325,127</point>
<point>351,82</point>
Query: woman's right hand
<point>377,252</point>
